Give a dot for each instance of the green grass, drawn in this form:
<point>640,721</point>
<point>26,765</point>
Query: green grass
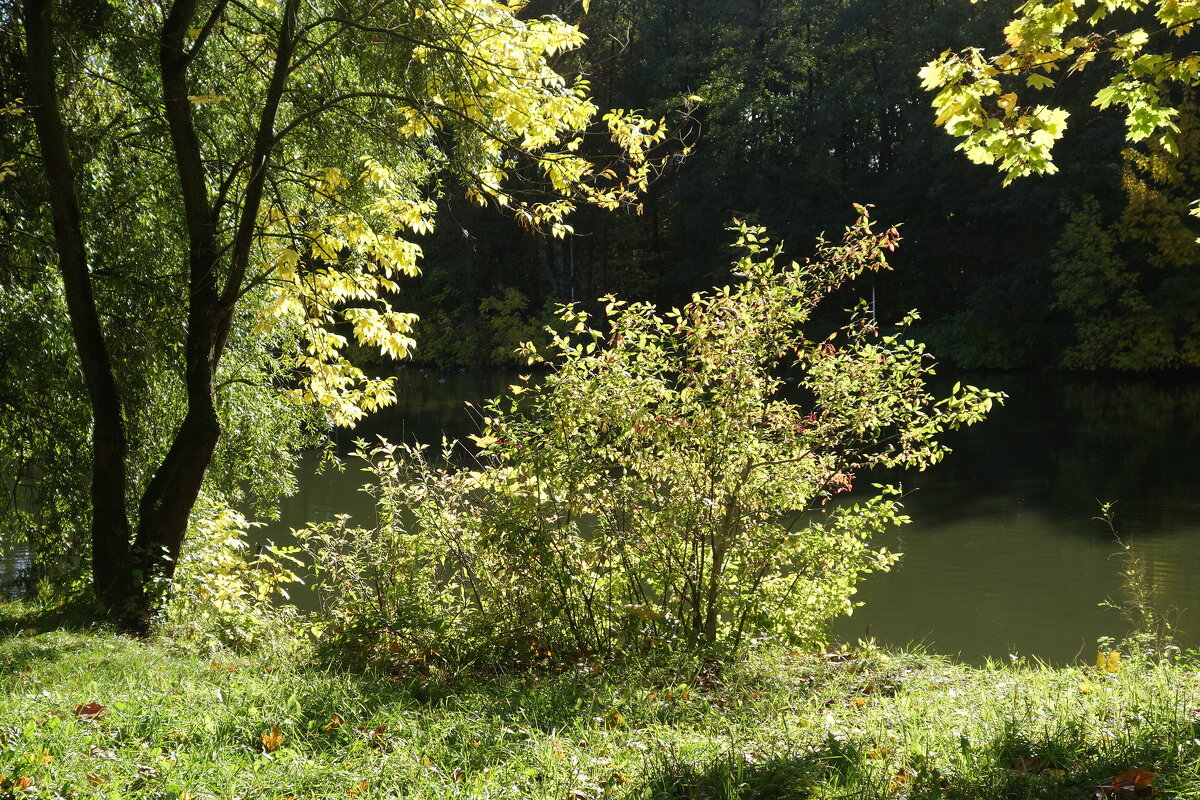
<point>869,724</point>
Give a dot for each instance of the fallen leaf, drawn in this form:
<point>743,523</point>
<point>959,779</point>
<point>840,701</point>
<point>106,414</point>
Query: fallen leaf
<point>42,756</point>
<point>377,737</point>
<point>90,711</point>
<point>1136,782</point>
<point>272,739</point>
<point>1025,765</point>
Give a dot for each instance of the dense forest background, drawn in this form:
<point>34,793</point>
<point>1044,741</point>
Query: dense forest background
<point>810,106</point>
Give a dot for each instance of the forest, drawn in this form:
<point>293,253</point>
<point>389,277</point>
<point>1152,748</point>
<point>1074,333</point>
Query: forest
<point>807,108</point>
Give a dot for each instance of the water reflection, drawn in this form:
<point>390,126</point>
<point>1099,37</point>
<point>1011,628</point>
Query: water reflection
<point>1004,555</point>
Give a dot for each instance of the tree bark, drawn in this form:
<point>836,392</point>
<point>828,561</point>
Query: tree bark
<point>111,573</point>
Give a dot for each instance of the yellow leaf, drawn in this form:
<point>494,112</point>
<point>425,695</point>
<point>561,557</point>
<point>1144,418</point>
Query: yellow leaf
<point>1037,81</point>
<point>586,5</point>
<point>1108,661</point>
<point>41,756</point>
<point>1007,102</point>
<point>483,441</point>
<point>272,739</point>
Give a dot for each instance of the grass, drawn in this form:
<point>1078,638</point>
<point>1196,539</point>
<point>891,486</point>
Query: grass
<point>869,724</point>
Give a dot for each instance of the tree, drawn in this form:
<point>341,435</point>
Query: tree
<point>233,189</point>
<point>977,96</point>
<point>1124,315</point>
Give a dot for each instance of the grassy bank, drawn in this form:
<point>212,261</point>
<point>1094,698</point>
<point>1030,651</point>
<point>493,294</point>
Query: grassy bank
<point>88,714</point>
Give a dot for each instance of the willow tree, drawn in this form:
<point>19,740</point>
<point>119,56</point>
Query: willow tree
<point>278,160</point>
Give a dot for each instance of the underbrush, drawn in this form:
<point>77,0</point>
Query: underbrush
<point>86,713</point>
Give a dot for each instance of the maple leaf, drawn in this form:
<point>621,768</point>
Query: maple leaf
<point>271,740</point>
<point>1136,782</point>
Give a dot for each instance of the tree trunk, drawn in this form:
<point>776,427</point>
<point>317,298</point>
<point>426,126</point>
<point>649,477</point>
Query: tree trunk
<point>168,499</point>
<point>111,567</point>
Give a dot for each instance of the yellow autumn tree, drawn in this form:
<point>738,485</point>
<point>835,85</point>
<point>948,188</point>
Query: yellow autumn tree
<point>995,104</point>
<point>225,181</point>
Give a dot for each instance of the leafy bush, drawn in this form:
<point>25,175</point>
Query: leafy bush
<point>222,595</point>
<point>660,487</point>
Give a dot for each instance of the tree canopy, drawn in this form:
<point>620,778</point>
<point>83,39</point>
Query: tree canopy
<point>230,193</point>
<point>979,97</point>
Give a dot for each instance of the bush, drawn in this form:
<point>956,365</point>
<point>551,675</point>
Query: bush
<point>657,488</point>
<point>222,595</point>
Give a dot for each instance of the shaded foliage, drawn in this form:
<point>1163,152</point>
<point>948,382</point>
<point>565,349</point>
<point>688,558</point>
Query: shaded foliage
<point>807,106</point>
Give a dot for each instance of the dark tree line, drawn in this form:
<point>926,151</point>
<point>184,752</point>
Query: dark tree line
<point>809,106</point>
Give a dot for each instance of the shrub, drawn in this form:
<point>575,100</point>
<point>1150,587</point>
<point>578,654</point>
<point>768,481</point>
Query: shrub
<point>659,487</point>
<point>222,595</point>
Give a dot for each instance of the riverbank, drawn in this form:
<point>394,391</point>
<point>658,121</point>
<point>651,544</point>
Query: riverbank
<point>89,714</point>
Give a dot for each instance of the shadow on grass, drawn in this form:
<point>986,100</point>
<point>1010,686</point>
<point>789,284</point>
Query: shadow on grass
<point>1010,766</point>
<point>22,624</point>
<point>724,779</point>
<point>17,617</point>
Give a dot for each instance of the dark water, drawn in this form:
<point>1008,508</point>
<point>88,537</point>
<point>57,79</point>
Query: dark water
<point>1003,555</point>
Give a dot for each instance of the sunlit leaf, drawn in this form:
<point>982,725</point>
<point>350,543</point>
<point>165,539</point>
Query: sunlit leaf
<point>90,711</point>
<point>272,739</point>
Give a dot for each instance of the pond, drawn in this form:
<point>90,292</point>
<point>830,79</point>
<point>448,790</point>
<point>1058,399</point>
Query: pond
<point>1004,555</point>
